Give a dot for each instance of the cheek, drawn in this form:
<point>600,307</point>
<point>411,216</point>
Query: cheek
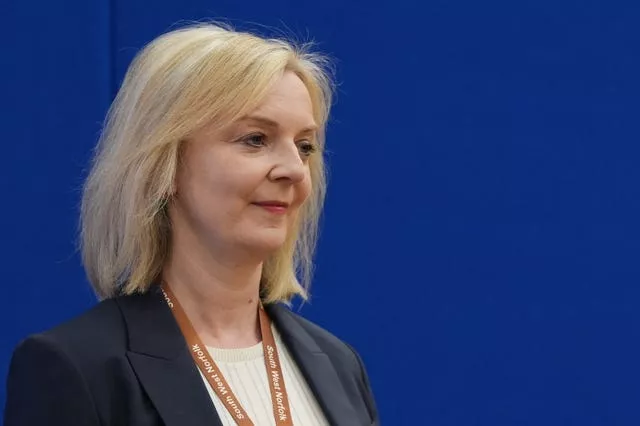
<point>216,174</point>
<point>303,192</point>
<point>306,187</point>
<point>203,184</point>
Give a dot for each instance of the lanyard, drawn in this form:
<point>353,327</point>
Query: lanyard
<point>214,376</point>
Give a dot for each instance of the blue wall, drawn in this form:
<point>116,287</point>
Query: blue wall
<point>481,238</point>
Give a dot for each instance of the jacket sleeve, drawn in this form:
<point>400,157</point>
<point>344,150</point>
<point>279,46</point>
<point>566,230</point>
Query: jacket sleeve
<point>44,387</point>
<point>365,388</point>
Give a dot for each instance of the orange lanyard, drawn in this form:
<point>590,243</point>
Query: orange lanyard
<point>214,376</point>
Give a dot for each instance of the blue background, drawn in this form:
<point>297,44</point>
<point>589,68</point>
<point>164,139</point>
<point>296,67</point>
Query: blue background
<point>480,244</point>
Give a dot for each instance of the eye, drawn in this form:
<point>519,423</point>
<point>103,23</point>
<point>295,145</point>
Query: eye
<point>306,148</point>
<point>254,140</point>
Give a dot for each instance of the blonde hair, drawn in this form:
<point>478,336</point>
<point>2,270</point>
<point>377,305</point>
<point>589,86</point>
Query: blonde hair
<point>180,82</point>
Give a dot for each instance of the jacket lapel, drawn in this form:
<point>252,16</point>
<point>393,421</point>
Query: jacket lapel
<point>315,366</point>
<point>159,355</point>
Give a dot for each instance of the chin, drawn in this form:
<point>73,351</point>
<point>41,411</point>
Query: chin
<point>267,241</point>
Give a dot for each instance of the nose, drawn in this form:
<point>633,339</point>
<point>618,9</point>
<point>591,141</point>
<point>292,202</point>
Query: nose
<point>288,164</point>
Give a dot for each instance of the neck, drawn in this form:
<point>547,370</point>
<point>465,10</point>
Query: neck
<point>220,298</point>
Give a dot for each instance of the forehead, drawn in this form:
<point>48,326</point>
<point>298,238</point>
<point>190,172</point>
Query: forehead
<point>287,102</point>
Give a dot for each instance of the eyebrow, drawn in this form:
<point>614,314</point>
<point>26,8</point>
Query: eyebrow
<point>271,123</point>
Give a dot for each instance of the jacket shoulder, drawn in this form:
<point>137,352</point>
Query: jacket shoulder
<point>327,341</point>
<point>344,357</point>
<point>96,333</point>
<point>86,365</point>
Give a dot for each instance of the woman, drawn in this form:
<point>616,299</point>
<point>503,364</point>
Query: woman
<point>202,204</point>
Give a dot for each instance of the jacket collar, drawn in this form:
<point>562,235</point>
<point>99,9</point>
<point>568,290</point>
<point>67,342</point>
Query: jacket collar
<point>161,359</point>
<point>315,365</point>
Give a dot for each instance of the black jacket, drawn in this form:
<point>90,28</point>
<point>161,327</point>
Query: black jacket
<point>125,363</point>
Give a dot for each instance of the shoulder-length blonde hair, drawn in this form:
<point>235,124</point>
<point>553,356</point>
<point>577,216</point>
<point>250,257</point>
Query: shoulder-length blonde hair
<point>181,81</point>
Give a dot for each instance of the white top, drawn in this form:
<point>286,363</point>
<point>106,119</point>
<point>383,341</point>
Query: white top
<point>246,374</point>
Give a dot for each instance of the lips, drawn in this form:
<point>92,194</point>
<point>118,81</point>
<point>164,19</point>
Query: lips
<point>272,203</point>
<point>273,206</point>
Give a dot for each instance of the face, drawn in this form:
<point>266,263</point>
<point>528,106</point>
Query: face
<point>239,188</point>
